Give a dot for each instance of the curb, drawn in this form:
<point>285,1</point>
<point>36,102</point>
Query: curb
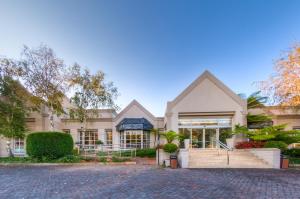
<point>69,164</point>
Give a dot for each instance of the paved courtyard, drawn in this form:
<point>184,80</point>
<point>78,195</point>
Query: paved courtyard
<point>146,182</point>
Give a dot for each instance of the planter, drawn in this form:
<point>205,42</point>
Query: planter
<point>230,142</point>
<point>162,156</point>
<point>173,161</point>
<point>186,143</point>
<point>284,164</point>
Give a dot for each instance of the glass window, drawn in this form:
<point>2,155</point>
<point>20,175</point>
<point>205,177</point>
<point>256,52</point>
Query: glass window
<point>135,139</point>
<point>109,137</point>
<point>19,146</point>
<point>296,127</point>
<point>204,122</point>
<point>88,138</point>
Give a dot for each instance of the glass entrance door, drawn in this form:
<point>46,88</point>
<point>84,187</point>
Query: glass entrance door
<point>210,138</point>
<point>204,138</point>
<point>197,138</point>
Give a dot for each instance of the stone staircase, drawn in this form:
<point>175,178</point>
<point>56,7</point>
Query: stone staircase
<point>217,158</point>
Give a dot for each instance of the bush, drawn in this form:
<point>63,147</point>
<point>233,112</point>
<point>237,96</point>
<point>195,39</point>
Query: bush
<point>103,159</point>
<point>98,142</point>
<point>69,159</point>
<point>119,159</point>
<point>170,148</point>
<point>249,145</point>
<point>49,145</point>
<point>150,153</point>
<point>170,136</point>
<point>293,153</point>
<point>276,144</point>
<point>287,138</point>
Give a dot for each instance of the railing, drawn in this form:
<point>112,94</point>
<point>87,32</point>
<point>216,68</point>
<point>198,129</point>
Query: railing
<point>224,146</point>
<point>108,150</point>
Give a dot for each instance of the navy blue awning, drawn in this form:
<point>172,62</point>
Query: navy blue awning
<point>134,124</point>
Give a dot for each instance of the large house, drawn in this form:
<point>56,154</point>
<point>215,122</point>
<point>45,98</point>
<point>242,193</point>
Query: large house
<point>204,110</point>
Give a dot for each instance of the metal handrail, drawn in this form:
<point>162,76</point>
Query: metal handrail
<point>227,148</point>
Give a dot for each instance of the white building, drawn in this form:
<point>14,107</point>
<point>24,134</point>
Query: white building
<point>203,110</point>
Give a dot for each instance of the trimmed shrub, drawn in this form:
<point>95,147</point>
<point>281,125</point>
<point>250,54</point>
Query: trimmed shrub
<point>170,148</point>
<point>150,153</point>
<point>249,145</point>
<point>50,145</point>
<point>119,159</point>
<point>98,142</point>
<point>293,153</point>
<point>276,144</point>
<point>69,159</point>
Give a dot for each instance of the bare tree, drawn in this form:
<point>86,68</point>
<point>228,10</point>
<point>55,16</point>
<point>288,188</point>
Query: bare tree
<point>91,92</point>
<point>43,75</point>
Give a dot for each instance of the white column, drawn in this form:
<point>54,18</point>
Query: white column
<point>218,137</point>
<point>142,139</point>
<point>203,138</point>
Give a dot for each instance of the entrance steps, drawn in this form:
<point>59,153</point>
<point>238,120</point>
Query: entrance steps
<point>217,158</point>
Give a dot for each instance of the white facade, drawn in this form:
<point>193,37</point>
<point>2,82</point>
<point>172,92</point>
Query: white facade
<point>207,101</point>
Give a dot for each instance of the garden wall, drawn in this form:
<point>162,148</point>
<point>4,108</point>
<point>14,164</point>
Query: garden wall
<point>270,155</point>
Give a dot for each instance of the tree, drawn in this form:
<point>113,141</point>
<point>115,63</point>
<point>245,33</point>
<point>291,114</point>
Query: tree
<point>155,132</point>
<point>283,88</point>
<point>90,93</point>
<point>12,108</point>
<point>170,136</point>
<point>43,75</point>
<point>256,100</point>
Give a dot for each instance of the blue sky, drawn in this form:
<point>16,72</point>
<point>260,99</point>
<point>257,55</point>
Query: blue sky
<point>152,50</point>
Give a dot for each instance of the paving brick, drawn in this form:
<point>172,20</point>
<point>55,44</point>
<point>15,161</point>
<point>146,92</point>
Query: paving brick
<point>141,181</point>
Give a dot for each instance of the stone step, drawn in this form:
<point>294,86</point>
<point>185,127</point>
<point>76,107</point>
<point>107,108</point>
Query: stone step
<point>218,159</point>
<point>229,166</point>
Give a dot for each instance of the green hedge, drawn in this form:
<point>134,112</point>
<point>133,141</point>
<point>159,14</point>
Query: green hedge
<point>276,144</point>
<point>50,145</point>
<point>150,153</point>
<point>170,147</point>
<point>293,153</point>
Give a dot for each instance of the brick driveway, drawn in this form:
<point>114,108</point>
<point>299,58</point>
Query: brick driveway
<point>146,182</point>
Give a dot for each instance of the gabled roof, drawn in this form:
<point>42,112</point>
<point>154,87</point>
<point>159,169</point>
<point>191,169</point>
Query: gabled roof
<point>131,104</point>
<point>134,124</point>
<point>199,80</point>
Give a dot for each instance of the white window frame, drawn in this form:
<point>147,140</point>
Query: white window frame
<point>19,149</point>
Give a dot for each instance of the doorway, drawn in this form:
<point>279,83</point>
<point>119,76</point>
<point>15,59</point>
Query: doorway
<point>204,138</point>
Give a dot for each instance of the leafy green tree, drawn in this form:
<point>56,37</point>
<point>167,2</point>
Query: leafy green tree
<point>256,100</point>
<point>273,133</point>
<point>91,92</point>
<point>12,108</point>
<point>43,75</point>
<point>170,136</point>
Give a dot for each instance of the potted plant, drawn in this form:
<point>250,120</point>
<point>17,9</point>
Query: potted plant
<point>170,148</point>
<point>99,143</point>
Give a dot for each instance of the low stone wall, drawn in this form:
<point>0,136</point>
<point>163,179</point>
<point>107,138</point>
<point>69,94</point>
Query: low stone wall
<point>270,155</point>
<point>162,156</point>
<point>183,158</point>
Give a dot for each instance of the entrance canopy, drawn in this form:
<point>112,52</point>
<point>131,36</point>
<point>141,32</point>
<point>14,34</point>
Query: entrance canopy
<point>134,124</point>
